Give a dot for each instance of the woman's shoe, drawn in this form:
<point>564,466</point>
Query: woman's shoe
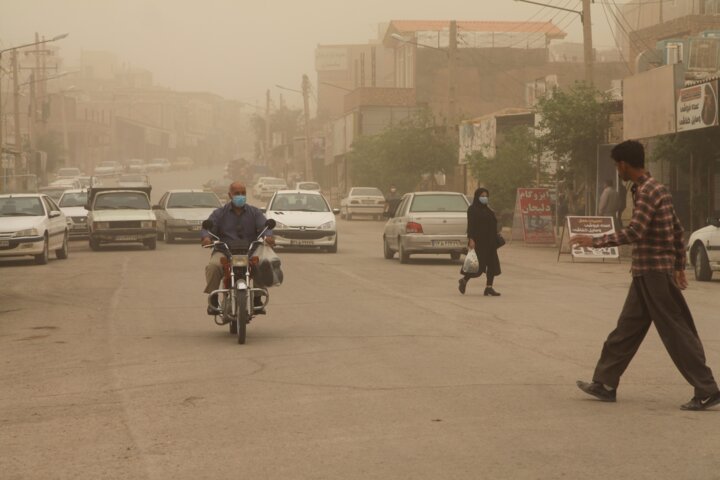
<point>489,291</point>
<point>462,284</point>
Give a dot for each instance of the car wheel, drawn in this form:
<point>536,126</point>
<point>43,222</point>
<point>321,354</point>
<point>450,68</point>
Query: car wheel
<point>702,265</point>
<point>333,249</point>
<point>160,235</point>
<point>404,256</point>
<point>151,243</point>
<point>62,252</point>
<point>388,252</point>
<point>42,258</point>
<point>94,244</point>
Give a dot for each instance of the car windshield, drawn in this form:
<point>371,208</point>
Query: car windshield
<point>21,207</point>
<point>299,202</point>
<point>122,200</point>
<point>438,203</point>
<point>73,199</point>
<point>193,200</point>
<point>366,192</point>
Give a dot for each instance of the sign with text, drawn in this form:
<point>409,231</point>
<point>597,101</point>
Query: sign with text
<point>697,107</point>
<point>595,227</point>
<point>535,213</point>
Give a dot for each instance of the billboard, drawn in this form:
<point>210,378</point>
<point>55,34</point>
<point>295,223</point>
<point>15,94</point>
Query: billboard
<point>697,107</point>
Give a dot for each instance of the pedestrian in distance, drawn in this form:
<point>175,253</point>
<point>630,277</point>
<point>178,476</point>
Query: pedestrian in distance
<point>658,276</point>
<point>482,233</point>
<point>609,201</point>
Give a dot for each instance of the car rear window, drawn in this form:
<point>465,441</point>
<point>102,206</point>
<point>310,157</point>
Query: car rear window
<point>438,203</point>
<point>367,192</point>
<point>122,201</point>
<point>73,199</point>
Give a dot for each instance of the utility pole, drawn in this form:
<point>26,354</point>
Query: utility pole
<point>306,105</point>
<point>587,42</point>
<point>452,76</point>
<point>266,152</point>
<point>16,105</point>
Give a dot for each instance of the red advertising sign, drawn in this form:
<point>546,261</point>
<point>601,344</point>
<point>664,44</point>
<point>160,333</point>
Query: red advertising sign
<point>534,206</point>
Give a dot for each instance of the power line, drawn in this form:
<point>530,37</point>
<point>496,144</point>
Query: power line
<point>617,44</point>
<point>619,11</point>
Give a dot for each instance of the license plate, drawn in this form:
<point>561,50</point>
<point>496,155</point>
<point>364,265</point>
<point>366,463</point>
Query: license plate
<point>445,243</point>
<point>4,243</point>
<point>126,238</point>
<point>302,242</point>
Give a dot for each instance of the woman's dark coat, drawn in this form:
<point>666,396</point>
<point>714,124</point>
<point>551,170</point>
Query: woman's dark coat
<point>482,228</point>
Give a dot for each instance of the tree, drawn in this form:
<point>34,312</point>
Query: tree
<point>512,167</point>
<point>402,154</point>
<point>573,123</point>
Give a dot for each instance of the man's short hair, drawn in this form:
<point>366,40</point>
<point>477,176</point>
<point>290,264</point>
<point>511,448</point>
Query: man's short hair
<point>631,152</point>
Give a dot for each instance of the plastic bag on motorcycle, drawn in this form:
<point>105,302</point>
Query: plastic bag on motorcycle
<point>269,270</point>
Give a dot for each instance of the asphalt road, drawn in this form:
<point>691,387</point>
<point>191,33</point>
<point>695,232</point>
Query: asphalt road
<point>363,368</point>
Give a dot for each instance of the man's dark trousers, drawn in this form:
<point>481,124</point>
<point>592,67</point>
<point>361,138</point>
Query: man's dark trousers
<point>654,297</point>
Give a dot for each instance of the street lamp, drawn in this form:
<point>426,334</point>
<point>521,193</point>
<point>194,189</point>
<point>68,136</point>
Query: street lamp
<point>14,49</point>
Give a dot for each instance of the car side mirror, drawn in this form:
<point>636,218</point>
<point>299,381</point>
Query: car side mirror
<point>270,223</point>
<point>336,211</point>
<point>54,214</point>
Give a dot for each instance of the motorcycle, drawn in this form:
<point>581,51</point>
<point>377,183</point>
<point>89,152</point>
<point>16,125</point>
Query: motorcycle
<point>240,300</point>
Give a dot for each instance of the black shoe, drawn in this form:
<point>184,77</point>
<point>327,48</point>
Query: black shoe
<point>697,403</point>
<point>462,285</point>
<point>597,390</point>
<point>211,310</point>
<point>489,291</point>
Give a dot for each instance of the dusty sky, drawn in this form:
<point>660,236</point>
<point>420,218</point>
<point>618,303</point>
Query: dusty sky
<point>238,48</point>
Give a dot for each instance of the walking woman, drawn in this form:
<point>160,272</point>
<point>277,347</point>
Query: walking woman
<point>482,237</point>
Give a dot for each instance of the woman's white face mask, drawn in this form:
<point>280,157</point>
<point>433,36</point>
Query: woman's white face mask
<point>483,200</point>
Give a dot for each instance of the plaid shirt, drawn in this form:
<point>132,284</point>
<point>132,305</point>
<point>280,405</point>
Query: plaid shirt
<point>654,229</point>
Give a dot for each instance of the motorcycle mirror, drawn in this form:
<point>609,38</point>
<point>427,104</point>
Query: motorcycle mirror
<point>270,224</point>
<point>207,225</point>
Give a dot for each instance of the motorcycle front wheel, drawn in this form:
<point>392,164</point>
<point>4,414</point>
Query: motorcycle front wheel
<point>241,314</point>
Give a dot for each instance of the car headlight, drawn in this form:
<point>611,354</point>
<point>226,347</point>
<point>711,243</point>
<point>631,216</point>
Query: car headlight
<point>280,226</point>
<point>327,226</point>
<point>147,224</point>
<point>101,225</point>
<point>30,232</point>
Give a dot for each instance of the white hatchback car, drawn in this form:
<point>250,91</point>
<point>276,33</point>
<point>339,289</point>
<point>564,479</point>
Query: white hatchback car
<point>704,250</point>
<point>72,204</point>
<point>32,224</point>
<point>304,219</point>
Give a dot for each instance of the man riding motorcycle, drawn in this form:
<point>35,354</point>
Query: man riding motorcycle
<point>233,222</point>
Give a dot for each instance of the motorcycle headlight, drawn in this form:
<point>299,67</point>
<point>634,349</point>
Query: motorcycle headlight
<point>147,224</point>
<point>101,225</point>
<point>327,226</point>
<point>30,232</point>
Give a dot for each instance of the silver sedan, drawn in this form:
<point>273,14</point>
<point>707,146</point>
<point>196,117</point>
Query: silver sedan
<point>427,222</point>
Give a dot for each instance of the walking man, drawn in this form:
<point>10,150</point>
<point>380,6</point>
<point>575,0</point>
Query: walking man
<point>658,276</point>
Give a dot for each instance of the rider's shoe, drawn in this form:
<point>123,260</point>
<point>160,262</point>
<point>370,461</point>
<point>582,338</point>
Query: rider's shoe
<point>211,310</point>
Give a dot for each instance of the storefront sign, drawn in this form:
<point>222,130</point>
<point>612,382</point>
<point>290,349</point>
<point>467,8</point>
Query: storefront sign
<point>697,107</point>
<point>533,210</point>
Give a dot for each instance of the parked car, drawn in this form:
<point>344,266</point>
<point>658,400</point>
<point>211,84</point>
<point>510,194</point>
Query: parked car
<point>427,222</point>
<point>267,186</point>
<point>363,201</point>
<point>68,172</point>
<point>107,168</point>
<point>314,186</point>
<point>121,215</point>
<point>132,180</point>
<point>136,165</point>
<point>158,165</point>
<point>704,250</point>
<point>32,224</point>
<point>72,203</point>
<point>183,163</point>
<point>304,219</point>
<point>66,182</point>
<point>180,213</point>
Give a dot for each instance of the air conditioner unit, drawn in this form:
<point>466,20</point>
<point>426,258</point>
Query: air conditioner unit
<point>677,47</point>
<point>704,54</point>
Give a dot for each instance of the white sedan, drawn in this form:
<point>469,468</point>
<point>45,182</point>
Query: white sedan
<point>304,219</point>
<point>72,204</point>
<point>363,201</point>
<point>704,250</point>
<point>32,225</point>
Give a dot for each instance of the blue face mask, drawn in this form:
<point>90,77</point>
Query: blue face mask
<point>483,200</point>
<point>239,200</point>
